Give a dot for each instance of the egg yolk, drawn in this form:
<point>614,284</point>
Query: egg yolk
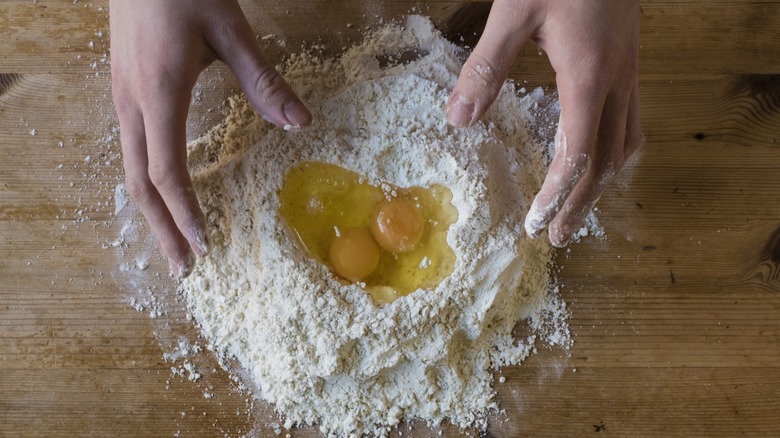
<point>342,220</point>
<point>354,255</point>
<point>397,225</point>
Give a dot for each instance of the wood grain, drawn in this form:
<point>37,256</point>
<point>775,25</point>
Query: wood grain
<point>676,316</point>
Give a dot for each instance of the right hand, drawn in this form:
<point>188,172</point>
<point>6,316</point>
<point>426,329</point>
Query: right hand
<point>158,50</point>
<point>593,45</point>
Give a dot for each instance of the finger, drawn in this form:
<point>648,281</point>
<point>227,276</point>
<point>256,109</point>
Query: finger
<point>578,206</point>
<point>140,188</point>
<point>633,125</point>
<point>607,160</point>
<point>581,108</point>
<point>165,126</point>
<point>265,88</point>
<point>508,27</point>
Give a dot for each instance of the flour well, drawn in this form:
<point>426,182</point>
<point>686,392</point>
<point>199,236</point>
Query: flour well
<point>321,351</point>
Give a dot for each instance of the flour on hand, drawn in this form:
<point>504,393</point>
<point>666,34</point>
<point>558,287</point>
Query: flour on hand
<point>322,351</point>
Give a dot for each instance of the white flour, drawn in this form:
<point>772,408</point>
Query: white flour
<point>322,352</point>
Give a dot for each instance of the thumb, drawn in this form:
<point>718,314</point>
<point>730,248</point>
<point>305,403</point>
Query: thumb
<point>270,95</point>
<point>508,27</point>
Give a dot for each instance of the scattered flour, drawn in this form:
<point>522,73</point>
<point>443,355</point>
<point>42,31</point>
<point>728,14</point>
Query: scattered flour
<point>591,227</point>
<point>321,351</point>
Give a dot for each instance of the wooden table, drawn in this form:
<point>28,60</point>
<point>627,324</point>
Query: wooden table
<point>676,316</point>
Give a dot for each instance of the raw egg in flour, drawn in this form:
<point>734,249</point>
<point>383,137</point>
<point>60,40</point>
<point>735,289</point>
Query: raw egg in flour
<point>391,240</point>
<point>397,225</point>
<point>354,255</point>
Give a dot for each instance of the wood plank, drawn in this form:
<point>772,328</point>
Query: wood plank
<point>676,315</point>
<point>661,402</point>
<point>693,37</point>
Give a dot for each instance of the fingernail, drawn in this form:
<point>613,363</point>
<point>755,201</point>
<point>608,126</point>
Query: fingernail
<point>561,244</point>
<point>182,268</point>
<point>534,222</point>
<point>460,111</point>
<point>202,245</point>
<point>559,239</point>
<point>297,114</point>
<point>533,228</point>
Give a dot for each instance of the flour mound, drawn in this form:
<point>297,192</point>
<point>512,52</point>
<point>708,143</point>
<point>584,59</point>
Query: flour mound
<point>323,352</point>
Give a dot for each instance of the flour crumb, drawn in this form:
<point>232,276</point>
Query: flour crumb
<point>193,374</point>
<point>591,227</point>
<point>121,198</point>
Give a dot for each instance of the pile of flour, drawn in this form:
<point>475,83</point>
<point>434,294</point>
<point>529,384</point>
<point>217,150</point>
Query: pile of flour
<point>323,352</point>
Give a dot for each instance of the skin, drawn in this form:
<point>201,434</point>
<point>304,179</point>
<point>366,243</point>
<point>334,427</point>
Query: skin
<point>593,47</point>
<point>159,48</point>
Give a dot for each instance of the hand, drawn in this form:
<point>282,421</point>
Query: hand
<point>158,49</point>
<point>593,47</point>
